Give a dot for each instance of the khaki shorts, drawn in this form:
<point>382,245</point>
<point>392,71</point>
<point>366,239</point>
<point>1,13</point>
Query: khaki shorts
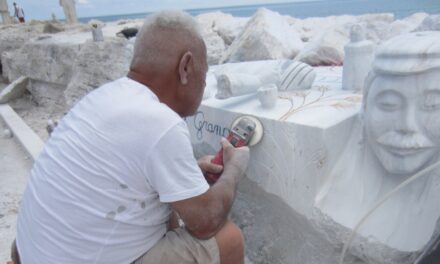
<point>178,246</point>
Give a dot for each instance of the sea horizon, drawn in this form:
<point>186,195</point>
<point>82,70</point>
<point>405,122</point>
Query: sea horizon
<point>318,8</point>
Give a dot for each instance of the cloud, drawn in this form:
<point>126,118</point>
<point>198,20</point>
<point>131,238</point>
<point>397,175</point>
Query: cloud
<point>83,2</point>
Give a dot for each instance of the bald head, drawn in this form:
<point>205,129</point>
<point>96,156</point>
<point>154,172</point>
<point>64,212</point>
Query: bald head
<point>163,38</point>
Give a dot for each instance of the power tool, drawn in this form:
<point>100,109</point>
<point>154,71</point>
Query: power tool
<point>245,131</point>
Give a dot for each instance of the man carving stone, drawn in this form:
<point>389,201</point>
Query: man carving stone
<point>69,11</point>
<point>401,118</point>
<point>119,164</point>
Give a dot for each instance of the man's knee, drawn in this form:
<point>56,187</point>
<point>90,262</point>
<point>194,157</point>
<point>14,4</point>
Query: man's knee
<point>230,241</point>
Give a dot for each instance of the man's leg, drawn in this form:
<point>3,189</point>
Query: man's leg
<point>230,244</point>
<point>14,253</point>
<point>178,246</point>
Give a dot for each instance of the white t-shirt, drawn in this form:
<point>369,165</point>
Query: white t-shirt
<point>98,193</point>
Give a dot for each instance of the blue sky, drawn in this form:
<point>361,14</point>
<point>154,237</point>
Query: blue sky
<point>42,9</point>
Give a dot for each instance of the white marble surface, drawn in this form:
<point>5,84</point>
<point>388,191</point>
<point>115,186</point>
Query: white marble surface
<point>399,138</point>
<point>331,163</point>
<point>300,140</point>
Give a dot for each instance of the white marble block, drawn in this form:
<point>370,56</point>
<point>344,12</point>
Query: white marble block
<point>323,164</point>
<point>304,134</point>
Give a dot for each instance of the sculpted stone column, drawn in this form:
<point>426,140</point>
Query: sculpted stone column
<point>69,11</point>
<point>4,12</point>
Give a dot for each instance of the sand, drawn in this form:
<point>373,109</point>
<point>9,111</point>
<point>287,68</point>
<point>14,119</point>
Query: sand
<point>14,172</point>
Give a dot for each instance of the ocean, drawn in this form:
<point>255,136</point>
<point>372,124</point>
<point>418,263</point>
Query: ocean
<point>319,8</point>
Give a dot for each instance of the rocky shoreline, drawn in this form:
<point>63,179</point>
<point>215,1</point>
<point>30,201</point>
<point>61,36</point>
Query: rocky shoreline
<point>63,63</point>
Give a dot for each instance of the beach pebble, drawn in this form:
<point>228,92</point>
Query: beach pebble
<point>51,126</point>
<point>7,133</point>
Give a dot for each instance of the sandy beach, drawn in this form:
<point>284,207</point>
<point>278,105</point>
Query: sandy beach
<point>14,172</point>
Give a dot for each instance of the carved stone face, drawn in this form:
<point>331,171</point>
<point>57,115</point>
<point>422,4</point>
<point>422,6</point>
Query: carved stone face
<point>402,119</point>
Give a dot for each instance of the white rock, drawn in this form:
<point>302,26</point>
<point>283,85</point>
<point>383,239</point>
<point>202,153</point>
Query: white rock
<point>44,60</point>
<point>376,26</point>
<point>267,35</point>
<point>7,133</point>
<point>14,90</point>
<point>225,25</point>
<point>215,47</point>
<point>327,48</point>
<point>314,26</point>
<point>431,22</point>
<point>96,64</point>
<point>406,25</point>
<point>12,38</point>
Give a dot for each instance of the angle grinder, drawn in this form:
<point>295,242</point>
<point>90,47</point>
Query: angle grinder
<point>245,131</point>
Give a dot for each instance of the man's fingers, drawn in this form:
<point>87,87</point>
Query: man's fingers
<point>225,143</point>
<point>214,168</point>
<point>210,167</point>
<point>207,166</point>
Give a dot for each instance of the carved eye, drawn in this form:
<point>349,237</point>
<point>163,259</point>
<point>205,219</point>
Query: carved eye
<point>431,101</point>
<point>389,101</point>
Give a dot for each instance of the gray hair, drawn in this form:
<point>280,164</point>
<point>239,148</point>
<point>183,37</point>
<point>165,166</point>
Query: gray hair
<point>168,20</point>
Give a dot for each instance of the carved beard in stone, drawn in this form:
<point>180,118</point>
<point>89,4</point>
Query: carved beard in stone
<point>402,121</point>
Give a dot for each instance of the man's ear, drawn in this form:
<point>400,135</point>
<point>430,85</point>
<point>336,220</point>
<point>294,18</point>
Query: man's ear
<point>185,67</point>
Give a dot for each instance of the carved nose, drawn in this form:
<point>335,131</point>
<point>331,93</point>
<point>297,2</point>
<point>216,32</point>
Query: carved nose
<point>409,124</point>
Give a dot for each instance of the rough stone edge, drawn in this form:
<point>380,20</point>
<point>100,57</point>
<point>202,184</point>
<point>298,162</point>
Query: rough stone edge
<point>22,132</point>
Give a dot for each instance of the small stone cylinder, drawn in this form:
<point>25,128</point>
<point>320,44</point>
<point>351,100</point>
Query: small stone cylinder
<point>268,95</point>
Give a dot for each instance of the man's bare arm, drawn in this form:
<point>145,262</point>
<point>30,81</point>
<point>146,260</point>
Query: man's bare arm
<point>205,214</point>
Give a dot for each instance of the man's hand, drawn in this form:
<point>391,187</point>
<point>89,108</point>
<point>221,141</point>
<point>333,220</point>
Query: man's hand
<point>235,160</point>
<point>207,166</point>
<point>204,215</point>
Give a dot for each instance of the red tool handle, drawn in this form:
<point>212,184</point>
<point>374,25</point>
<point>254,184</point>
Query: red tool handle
<point>218,159</point>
